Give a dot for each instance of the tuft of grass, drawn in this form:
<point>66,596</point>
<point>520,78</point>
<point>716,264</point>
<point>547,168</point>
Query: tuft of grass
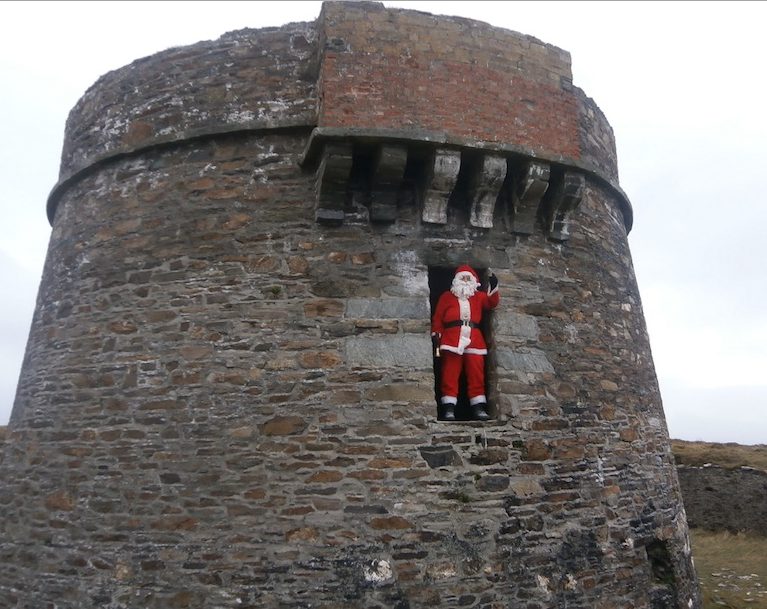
<point>732,569</point>
<point>728,455</point>
<point>462,497</point>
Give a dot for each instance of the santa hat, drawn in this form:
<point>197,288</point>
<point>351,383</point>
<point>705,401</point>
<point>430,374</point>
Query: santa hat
<point>467,269</point>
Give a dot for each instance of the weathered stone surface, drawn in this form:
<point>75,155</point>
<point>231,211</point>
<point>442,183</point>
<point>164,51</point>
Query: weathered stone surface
<point>332,183</point>
<point>720,499</point>
<point>508,323</point>
<point>283,426</point>
<point>446,166</point>
<point>400,393</point>
<point>566,197</point>
<point>440,456</point>
<point>531,361</point>
<point>388,308</point>
<point>387,183</point>
<point>227,403</point>
<point>389,352</point>
<point>526,196</point>
<point>492,173</point>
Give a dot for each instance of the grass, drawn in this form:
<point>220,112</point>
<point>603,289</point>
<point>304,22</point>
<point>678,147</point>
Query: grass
<point>728,455</point>
<point>732,569</point>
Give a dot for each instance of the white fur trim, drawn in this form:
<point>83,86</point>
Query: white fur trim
<point>446,399</point>
<point>465,337</point>
<point>465,309</point>
<point>480,399</point>
<point>464,340</point>
<point>475,351</point>
<point>465,351</point>
<point>448,348</point>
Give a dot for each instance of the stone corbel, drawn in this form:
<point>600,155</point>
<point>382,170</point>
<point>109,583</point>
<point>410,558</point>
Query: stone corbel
<point>387,181</point>
<point>332,183</point>
<point>447,163</point>
<point>526,197</point>
<point>489,183</point>
<point>566,198</point>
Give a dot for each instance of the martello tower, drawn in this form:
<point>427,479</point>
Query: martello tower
<point>228,397</point>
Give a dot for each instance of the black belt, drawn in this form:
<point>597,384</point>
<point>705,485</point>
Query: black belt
<point>455,324</point>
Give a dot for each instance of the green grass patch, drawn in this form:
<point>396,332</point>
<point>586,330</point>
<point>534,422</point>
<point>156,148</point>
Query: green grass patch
<point>732,569</point>
<point>728,455</point>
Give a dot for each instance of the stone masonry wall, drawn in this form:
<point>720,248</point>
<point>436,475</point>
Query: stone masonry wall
<point>248,79</point>
<point>223,403</point>
<point>228,400</point>
<point>720,499</point>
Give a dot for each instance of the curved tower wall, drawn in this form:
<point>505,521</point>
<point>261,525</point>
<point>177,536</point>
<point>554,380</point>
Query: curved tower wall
<point>227,398</point>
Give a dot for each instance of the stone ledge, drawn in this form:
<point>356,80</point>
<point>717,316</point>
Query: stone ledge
<point>322,135</point>
<point>95,162</point>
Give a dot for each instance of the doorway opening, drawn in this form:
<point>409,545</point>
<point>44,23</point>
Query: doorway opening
<point>440,280</point>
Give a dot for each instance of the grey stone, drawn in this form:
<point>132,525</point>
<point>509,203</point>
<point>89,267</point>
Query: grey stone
<point>440,456</point>
<point>388,308</point>
<point>531,361</point>
<point>515,325</point>
<point>401,351</point>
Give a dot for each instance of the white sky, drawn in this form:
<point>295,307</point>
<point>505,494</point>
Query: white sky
<point>681,83</point>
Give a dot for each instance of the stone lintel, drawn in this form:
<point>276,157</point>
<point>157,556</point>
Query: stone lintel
<point>447,163</point>
<point>332,182</point>
<point>489,182</point>
<point>527,195</point>
<point>566,198</point>
<point>387,181</point>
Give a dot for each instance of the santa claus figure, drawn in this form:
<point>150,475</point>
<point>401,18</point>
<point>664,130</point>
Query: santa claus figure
<point>459,341</point>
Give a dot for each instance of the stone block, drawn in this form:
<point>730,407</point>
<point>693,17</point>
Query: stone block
<point>440,456</point>
<point>388,308</point>
<point>531,360</point>
<point>400,351</point>
<point>515,325</point>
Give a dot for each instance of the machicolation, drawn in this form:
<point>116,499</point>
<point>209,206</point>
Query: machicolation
<point>228,399</point>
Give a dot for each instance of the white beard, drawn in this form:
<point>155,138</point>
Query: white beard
<point>463,289</point>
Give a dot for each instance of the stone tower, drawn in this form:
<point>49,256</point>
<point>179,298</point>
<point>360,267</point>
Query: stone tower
<point>228,396</point>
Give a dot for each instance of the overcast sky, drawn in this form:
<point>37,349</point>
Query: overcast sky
<point>681,83</point>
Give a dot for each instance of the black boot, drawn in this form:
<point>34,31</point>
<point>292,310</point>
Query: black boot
<point>480,412</point>
<point>448,412</point>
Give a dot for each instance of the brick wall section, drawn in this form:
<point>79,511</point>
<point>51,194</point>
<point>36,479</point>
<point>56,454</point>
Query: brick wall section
<point>448,75</point>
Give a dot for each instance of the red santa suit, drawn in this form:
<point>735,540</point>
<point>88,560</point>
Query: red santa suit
<point>462,347</point>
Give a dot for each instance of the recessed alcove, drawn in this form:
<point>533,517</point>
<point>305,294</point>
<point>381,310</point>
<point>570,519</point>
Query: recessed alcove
<point>440,279</point>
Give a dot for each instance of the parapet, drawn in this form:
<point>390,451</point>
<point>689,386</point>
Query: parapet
<point>451,84</point>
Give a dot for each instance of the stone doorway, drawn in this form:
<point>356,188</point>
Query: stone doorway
<point>440,279</point>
